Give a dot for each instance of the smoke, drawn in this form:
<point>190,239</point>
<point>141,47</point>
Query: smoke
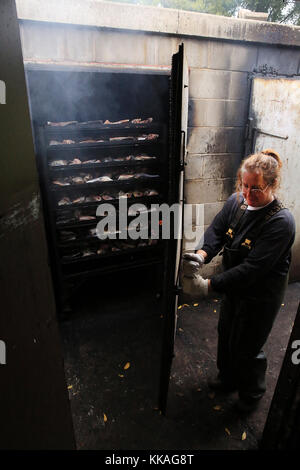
<point>87,96</point>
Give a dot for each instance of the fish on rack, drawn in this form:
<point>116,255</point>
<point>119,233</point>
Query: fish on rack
<point>67,236</point>
<point>61,124</point>
<point>62,182</point>
<point>75,161</point>
<point>64,201</point>
<point>58,163</point>
<point>79,200</point>
<point>100,179</point>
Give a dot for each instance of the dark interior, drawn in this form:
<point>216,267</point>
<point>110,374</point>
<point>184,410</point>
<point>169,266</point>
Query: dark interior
<point>87,96</point>
<point>57,96</point>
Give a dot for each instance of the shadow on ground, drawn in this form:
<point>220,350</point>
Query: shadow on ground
<point>112,348</point>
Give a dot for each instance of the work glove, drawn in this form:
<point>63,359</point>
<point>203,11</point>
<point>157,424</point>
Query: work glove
<point>191,264</point>
<point>195,287</point>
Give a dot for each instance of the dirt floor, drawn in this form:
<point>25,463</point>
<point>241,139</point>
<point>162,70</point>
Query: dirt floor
<point>116,408</point>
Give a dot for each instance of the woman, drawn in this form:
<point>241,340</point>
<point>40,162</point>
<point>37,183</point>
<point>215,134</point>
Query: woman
<point>256,234</point>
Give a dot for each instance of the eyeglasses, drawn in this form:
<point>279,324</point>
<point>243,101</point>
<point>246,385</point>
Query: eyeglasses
<point>254,190</point>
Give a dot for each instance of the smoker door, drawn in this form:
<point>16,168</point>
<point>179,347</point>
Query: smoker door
<point>34,406</point>
<point>177,146</point>
<point>274,123</point>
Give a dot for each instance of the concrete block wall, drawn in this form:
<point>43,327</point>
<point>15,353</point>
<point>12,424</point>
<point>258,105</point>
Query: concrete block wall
<point>218,109</point>
<point>220,54</point>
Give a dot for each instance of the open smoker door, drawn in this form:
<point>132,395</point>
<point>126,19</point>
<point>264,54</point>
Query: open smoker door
<point>34,407</point>
<point>177,146</point>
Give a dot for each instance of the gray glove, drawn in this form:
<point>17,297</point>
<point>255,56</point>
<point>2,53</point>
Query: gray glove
<point>191,264</point>
<point>195,287</point>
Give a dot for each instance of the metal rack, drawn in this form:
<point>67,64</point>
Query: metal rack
<point>81,254</point>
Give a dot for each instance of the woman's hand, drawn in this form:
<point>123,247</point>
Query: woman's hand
<point>202,253</point>
<point>192,263</point>
<point>195,287</point>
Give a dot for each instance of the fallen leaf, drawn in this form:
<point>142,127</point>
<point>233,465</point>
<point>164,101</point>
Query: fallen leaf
<point>196,305</point>
<point>217,407</point>
<point>69,387</point>
<point>127,365</point>
<point>104,417</point>
<point>227,430</point>
<point>179,307</point>
<point>244,436</point>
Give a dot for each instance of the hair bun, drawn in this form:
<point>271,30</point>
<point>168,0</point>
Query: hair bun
<point>274,154</point>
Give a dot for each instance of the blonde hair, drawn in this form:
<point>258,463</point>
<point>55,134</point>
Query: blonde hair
<point>267,162</point>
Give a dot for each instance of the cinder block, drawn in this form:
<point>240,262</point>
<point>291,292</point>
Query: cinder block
<point>212,166</point>
<point>196,51</point>
<point>220,113</point>
<point>218,84</point>
<point>221,166</point>
<point>194,214</point>
<point>117,47</point>
<point>208,190</point>
<point>194,168</point>
<point>79,44</point>
<point>193,237</point>
<point>135,48</point>
<point>213,140</point>
<point>159,49</point>
<point>283,59</point>
<point>42,41</point>
<point>231,56</point>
